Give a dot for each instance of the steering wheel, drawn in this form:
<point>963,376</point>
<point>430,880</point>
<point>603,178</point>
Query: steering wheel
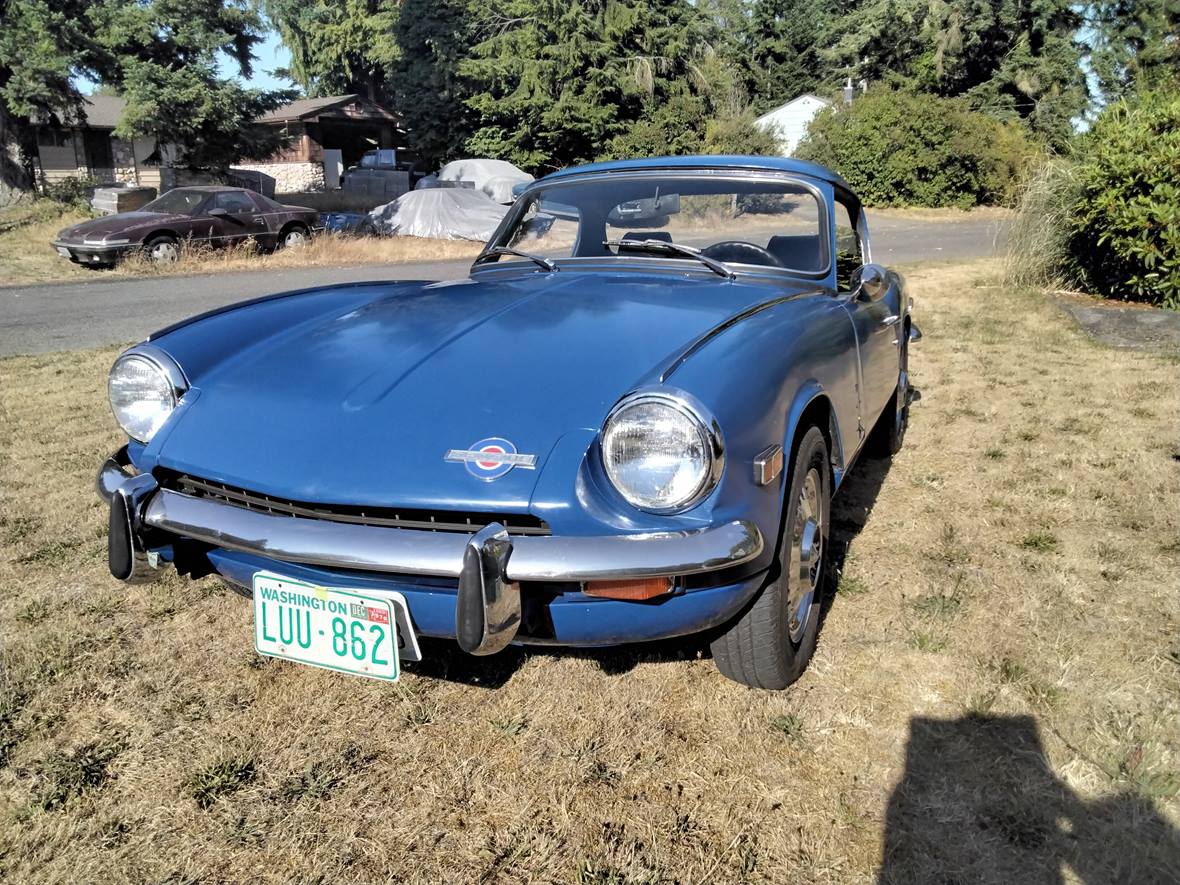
<point>741,252</point>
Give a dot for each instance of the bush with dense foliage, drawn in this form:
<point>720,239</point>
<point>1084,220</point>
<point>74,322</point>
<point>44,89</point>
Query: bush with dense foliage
<point>1107,218</point>
<point>1124,237</point>
<point>910,149</point>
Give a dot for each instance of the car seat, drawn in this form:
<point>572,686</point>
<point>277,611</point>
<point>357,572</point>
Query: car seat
<point>796,252</point>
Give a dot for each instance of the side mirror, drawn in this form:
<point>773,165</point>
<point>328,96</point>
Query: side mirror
<point>870,282</point>
<point>217,213</point>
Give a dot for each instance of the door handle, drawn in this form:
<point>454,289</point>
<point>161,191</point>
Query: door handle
<point>890,320</point>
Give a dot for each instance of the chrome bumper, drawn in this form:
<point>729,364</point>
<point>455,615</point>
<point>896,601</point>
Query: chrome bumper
<point>489,564</point>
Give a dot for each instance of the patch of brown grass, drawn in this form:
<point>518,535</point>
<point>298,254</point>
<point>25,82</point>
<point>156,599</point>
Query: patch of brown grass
<point>327,250</point>
<point>982,706</point>
<point>26,256</point>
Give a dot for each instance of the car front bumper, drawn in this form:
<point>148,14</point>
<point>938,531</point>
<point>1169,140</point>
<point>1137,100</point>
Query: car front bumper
<point>485,613</point>
<point>90,253</point>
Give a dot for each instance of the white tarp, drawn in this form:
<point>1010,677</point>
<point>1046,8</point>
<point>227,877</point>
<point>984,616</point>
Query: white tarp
<point>450,213</point>
<point>495,178</point>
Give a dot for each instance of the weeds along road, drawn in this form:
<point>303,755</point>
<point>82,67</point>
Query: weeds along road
<point>67,316</point>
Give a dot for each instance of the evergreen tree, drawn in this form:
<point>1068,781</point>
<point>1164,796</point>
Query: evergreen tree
<point>781,50</point>
<point>555,83</point>
<point>339,46</point>
<point>1135,44</point>
<point>1011,58</point>
<point>433,36</point>
<point>159,54</point>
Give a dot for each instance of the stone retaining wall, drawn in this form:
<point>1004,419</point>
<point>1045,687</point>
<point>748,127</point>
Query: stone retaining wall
<point>290,178</point>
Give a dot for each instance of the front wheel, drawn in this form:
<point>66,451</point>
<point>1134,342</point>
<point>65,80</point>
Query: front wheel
<point>771,643</point>
<point>293,236</point>
<point>163,251</point>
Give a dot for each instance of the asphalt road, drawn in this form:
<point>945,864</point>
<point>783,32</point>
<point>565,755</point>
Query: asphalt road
<point>93,313</point>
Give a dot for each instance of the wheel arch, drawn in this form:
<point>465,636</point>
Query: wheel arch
<point>812,407</point>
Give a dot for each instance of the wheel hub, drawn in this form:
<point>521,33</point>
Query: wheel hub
<point>803,571</point>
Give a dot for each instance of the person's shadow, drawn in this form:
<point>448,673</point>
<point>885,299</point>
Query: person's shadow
<point>979,803</point>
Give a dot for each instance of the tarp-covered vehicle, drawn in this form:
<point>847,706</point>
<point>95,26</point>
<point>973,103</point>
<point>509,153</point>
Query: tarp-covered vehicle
<point>496,178</point>
<point>627,423</point>
<point>440,214</point>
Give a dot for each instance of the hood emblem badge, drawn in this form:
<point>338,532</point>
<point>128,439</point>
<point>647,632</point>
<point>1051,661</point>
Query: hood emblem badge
<point>491,458</point>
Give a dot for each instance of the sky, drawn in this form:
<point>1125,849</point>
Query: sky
<point>269,54</point>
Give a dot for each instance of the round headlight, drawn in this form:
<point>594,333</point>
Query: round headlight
<point>659,453</point>
<point>142,395</point>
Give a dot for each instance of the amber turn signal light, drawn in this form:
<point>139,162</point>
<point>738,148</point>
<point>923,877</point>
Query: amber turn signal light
<point>632,590</point>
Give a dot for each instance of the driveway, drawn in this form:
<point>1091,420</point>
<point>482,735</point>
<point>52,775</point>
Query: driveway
<point>67,316</point>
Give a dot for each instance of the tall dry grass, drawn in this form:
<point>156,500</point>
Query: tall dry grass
<point>26,256</point>
<point>326,250</point>
<point>1038,237</point>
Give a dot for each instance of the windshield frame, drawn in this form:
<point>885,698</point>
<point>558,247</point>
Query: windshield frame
<point>677,264</point>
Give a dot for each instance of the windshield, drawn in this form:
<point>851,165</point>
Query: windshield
<point>177,202</point>
<point>761,221</point>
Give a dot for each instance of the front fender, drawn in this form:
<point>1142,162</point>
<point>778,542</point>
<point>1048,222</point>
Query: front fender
<point>812,394</point>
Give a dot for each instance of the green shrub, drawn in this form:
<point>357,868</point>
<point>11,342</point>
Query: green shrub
<point>906,149</point>
<point>738,134</point>
<point>1124,237</point>
<point>72,192</point>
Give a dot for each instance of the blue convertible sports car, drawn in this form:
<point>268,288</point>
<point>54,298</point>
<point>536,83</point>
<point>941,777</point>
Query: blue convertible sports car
<point>627,423</point>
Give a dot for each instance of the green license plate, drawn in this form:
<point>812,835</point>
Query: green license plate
<point>351,631</point>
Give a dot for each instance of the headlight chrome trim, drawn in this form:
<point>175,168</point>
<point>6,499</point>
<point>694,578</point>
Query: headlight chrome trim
<point>163,362</point>
<point>690,407</point>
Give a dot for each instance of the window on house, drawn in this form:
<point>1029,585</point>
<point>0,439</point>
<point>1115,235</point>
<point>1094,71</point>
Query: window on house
<point>52,136</point>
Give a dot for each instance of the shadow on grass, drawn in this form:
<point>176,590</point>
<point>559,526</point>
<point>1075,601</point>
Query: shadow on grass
<point>979,802</point>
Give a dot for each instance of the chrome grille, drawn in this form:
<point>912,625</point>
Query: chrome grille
<point>385,517</point>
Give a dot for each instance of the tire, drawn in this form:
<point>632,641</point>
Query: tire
<point>772,641</point>
<point>888,434</point>
<point>162,250</point>
<point>293,236</point>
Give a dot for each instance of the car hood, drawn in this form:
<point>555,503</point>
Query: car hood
<point>361,405</point>
<point>120,224</point>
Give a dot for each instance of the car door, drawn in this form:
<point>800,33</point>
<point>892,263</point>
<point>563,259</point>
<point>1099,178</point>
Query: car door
<point>236,218</point>
<point>272,218</point>
<point>876,320</point>
<point>195,226</point>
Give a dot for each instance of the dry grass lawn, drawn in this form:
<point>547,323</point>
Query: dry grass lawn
<point>26,256</point>
<point>995,699</point>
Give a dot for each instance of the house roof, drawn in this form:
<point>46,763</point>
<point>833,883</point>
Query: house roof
<point>306,107</point>
<point>104,111</point>
<point>710,161</point>
<point>798,98</point>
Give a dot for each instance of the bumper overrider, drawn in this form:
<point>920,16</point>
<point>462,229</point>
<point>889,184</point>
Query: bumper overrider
<point>489,564</point>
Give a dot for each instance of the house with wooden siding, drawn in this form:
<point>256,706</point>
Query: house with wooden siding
<point>91,150</point>
<point>332,131</point>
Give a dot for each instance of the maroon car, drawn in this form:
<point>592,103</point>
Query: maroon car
<point>215,216</point>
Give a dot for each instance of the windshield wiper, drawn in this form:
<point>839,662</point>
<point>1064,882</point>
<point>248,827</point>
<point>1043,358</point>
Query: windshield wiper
<point>508,250</point>
<point>718,267</point>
